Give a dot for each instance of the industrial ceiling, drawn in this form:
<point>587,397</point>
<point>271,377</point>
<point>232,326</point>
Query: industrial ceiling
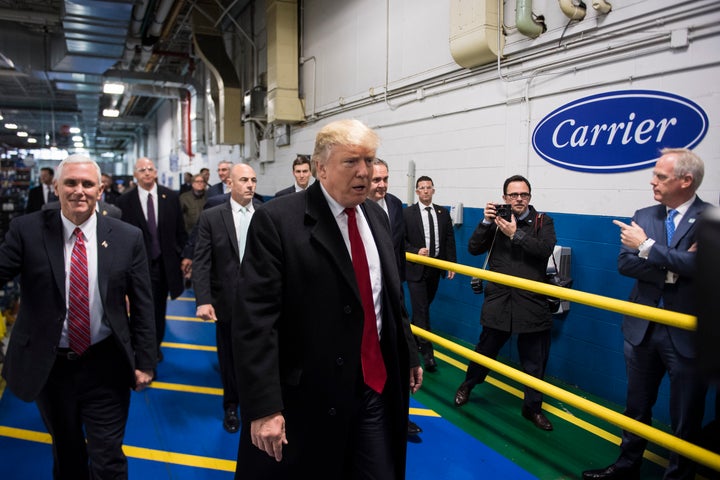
<point>55,56</point>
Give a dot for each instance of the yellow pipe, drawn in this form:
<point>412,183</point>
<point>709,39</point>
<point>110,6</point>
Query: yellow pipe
<point>674,319</point>
<point>683,447</point>
<point>688,322</point>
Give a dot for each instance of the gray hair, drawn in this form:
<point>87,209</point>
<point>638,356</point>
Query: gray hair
<point>687,162</point>
<point>77,158</point>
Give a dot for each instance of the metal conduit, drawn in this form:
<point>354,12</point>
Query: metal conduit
<point>680,320</point>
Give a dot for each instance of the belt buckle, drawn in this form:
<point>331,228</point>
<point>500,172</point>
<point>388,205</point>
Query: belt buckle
<point>70,355</point>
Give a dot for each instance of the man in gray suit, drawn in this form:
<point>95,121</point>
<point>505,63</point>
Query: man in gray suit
<point>659,250</point>
<point>75,348</point>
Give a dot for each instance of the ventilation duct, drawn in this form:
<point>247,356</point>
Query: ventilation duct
<point>283,101</point>
<point>227,91</point>
<point>474,32</point>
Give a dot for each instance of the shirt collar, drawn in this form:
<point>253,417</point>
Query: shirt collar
<point>88,227</point>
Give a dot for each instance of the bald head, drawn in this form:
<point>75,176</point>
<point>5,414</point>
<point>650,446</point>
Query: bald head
<point>242,183</point>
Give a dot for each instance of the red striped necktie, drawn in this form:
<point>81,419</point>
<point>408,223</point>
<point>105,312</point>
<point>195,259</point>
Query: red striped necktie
<point>79,303</point>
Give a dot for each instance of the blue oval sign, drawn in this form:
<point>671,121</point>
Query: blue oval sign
<point>618,131</point>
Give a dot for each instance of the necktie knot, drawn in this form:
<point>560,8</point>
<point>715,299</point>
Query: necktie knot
<point>350,212</point>
<point>428,209</point>
<point>78,234</point>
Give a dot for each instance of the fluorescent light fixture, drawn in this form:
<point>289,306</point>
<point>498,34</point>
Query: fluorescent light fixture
<point>22,134</point>
<point>74,130</point>
<point>32,140</point>
<point>107,155</point>
<point>78,144</point>
<point>11,126</point>
<point>110,112</point>
<point>77,138</point>
<point>114,88</point>
<point>1,117</point>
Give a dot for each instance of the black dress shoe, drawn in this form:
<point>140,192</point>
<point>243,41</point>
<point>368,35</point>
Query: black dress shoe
<point>538,419</point>
<point>462,396</point>
<point>613,472</point>
<point>231,423</point>
<point>431,365</point>
<point>413,428</point>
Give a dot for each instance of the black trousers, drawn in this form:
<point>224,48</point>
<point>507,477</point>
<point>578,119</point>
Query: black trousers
<point>369,453</point>
<point>91,392</point>
<point>534,350</point>
<point>422,293</point>
<point>160,292</point>
<point>223,337</point>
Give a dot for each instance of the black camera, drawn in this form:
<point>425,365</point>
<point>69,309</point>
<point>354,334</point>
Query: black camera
<point>504,211</point>
<point>477,285</point>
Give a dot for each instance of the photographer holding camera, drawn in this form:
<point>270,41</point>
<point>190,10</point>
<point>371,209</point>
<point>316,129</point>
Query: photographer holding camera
<point>517,245</point>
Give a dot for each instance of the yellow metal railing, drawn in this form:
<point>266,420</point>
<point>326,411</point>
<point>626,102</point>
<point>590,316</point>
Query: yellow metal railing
<point>688,322</point>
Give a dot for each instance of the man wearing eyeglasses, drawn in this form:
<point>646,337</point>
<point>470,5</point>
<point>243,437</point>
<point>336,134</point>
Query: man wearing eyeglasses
<point>659,250</point>
<point>156,211</point>
<point>518,245</point>
<point>428,232</point>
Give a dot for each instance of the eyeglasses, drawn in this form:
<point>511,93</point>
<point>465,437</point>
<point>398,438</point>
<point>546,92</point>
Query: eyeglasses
<point>145,169</point>
<point>514,196</point>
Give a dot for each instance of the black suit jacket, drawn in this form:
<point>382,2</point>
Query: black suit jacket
<point>415,238</point>
<point>33,249</point>
<point>171,230</point>
<point>215,190</point>
<point>36,199</point>
<point>216,260</point>
<point>286,191</point>
<point>297,333</point>
<point>397,225</point>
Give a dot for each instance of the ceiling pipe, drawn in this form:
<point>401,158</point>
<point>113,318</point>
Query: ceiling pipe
<point>526,22</point>
<point>601,6</point>
<point>153,33</point>
<point>572,10</point>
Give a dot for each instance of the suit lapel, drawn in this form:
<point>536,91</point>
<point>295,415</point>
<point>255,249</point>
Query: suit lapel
<point>687,222</point>
<point>327,233</point>
<point>135,199</point>
<point>55,248</point>
<point>104,255</point>
<point>229,223</point>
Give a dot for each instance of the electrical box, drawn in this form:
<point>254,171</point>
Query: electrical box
<point>267,151</point>
<point>456,214</point>
<point>562,257</point>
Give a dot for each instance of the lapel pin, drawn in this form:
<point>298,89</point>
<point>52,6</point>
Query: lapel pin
<point>163,195</point>
<point>104,244</point>
<point>691,220</point>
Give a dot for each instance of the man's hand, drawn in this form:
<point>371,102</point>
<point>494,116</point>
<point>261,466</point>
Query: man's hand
<point>631,235</point>
<point>508,228</point>
<point>416,379</point>
<point>186,267</point>
<point>206,312</point>
<point>142,379</point>
<point>268,434</point>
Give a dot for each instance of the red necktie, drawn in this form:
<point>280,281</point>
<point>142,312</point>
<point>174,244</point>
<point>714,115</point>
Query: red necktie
<point>373,366</point>
<point>79,304</point>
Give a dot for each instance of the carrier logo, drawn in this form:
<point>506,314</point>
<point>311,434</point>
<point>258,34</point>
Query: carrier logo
<point>618,131</point>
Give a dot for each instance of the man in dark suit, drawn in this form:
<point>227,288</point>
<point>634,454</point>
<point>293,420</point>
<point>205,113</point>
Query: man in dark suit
<point>221,233</point>
<point>428,232</point>
<point>312,399</point>
<point>43,193</point>
<point>74,349</point>
<point>110,193</point>
<point>222,186</point>
<point>659,250</point>
<point>394,210</point>
<point>187,183</point>
<point>302,171</point>
<point>164,234</point>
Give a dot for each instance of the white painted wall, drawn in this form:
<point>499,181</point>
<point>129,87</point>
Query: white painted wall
<point>472,128</point>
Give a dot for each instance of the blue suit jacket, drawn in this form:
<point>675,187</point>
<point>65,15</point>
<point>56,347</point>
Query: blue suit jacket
<point>650,286</point>
<point>34,249</point>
